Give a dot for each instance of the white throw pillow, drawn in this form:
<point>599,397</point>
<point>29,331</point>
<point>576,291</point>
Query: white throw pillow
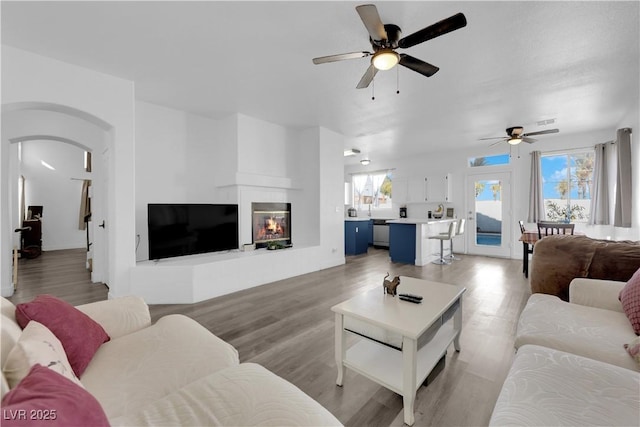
<point>37,345</point>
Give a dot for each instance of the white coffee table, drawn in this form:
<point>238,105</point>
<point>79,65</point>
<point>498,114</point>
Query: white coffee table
<point>401,342</point>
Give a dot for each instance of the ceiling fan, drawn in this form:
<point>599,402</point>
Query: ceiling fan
<point>385,39</point>
<point>515,136</point>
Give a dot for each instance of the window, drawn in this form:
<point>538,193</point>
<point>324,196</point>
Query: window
<point>499,159</point>
<point>567,181</point>
<point>372,190</point>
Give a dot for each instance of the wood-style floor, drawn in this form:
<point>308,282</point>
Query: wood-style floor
<point>288,327</point>
<point>60,273</point>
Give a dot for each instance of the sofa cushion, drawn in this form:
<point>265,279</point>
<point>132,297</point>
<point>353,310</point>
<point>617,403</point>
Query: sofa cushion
<point>119,316</point>
<point>244,395</point>
<point>37,345</point>
<point>79,334</point>
<point>134,370</point>
<point>630,299</point>
<point>45,397</point>
<point>587,331</point>
<point>11,333</point>
<point>546,387</point>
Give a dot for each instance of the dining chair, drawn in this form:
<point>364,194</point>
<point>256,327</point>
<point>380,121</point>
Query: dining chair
<point>527,248</point>
<point>547,228</point>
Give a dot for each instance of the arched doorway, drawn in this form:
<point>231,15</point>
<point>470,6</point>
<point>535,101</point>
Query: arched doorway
<point>26,122</point>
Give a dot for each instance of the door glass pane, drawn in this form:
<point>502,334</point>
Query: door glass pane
<point>488,212</point>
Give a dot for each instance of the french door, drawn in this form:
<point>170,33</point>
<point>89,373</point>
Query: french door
<point>489,214</point>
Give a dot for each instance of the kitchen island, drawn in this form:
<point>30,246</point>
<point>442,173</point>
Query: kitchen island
<point>409,241</point>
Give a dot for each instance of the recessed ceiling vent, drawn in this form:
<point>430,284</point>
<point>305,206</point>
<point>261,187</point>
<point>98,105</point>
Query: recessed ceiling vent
<point>546,122</point>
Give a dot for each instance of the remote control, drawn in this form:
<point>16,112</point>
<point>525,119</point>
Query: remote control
<point>418,297</point>
<point>415,301</point>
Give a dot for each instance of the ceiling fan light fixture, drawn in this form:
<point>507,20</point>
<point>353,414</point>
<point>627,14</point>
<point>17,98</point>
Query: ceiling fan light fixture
<point>385,59</point>
<point>514,140</point>
<point>365,162</point>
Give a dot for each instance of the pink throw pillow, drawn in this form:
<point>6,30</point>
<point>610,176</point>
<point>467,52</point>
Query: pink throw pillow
<point>80,335</point>
<point>44,397</point>
<point>630,299</point>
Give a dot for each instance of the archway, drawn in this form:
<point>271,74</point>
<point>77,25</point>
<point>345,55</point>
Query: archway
<point>70,126</point>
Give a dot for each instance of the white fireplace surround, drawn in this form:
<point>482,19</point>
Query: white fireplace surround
<point>261,162</point>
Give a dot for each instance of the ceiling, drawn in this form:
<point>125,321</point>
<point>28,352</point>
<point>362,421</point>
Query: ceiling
<point>515,63</point>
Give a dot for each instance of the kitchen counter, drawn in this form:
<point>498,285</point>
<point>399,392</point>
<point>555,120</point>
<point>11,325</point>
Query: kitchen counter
<point>409,241</point>
<point>356,218</point>
<point>421,221</point>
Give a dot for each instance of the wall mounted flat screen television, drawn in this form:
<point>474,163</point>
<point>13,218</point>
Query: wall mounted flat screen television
<point>187,229</point>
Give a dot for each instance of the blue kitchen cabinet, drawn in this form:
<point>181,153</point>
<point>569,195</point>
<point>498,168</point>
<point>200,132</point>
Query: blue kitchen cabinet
<point>356,237</point>
<point>402,243</point>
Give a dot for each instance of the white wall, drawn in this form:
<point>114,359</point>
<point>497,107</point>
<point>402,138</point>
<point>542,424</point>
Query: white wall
<point>31,81</point>
<point>174,155</point>
<point>331,212</point>
<point>55,191</point>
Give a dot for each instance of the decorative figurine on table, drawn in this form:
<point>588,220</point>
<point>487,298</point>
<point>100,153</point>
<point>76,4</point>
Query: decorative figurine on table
<point>390,286</point>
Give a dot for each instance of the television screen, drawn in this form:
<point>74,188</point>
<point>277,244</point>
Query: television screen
<point>186,229</point>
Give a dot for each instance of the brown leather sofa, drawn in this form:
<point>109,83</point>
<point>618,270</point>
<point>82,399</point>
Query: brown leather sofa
<point>558,259</point>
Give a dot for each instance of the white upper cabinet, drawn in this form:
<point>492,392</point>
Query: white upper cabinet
<point>438,188</point>
<point>431,189</point>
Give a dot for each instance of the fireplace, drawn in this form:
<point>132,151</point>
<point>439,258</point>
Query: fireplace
<point>271,222</point>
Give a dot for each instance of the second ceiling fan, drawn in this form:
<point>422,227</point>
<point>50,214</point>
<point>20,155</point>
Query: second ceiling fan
<point>515,136</point>
<point>385,39</point>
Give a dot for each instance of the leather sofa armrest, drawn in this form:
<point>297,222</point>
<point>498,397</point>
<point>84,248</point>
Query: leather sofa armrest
<point>596,293</point>
<point>119,316</point>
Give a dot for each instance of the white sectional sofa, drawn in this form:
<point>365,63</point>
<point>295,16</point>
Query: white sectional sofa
<point>571,366</point>
<point>592,324</point>
<point>175,372</point>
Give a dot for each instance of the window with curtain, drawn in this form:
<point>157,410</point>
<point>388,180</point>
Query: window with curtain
<point>567,185</point>
<point>372,190</point>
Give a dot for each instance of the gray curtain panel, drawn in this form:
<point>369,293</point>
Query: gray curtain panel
<point>622,213</point>
<point>536,196</point>
<point>600,192</point>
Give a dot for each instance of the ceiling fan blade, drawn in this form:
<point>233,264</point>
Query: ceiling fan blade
<point>418,65</point>
<point>367,78</point>
<point>439,28</point>
<point>529,140</point>
<point>494,137</point>
<point>498,142</point>
<point>542,132</point>
<point>371,20</point>
<point>340,57</point>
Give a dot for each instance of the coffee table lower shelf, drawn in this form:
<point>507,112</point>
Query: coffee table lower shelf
<point>384,364</point>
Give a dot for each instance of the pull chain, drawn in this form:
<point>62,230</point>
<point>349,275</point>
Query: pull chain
<point>373,90</point>
<point>397,79</point>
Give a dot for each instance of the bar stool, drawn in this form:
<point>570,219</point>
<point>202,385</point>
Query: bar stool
<point>442,237</point>
<point>459,232</point>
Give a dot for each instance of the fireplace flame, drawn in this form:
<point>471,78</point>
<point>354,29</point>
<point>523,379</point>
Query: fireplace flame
<point>271,229</point>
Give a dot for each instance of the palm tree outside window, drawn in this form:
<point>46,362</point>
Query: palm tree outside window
<point>567,183</point>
